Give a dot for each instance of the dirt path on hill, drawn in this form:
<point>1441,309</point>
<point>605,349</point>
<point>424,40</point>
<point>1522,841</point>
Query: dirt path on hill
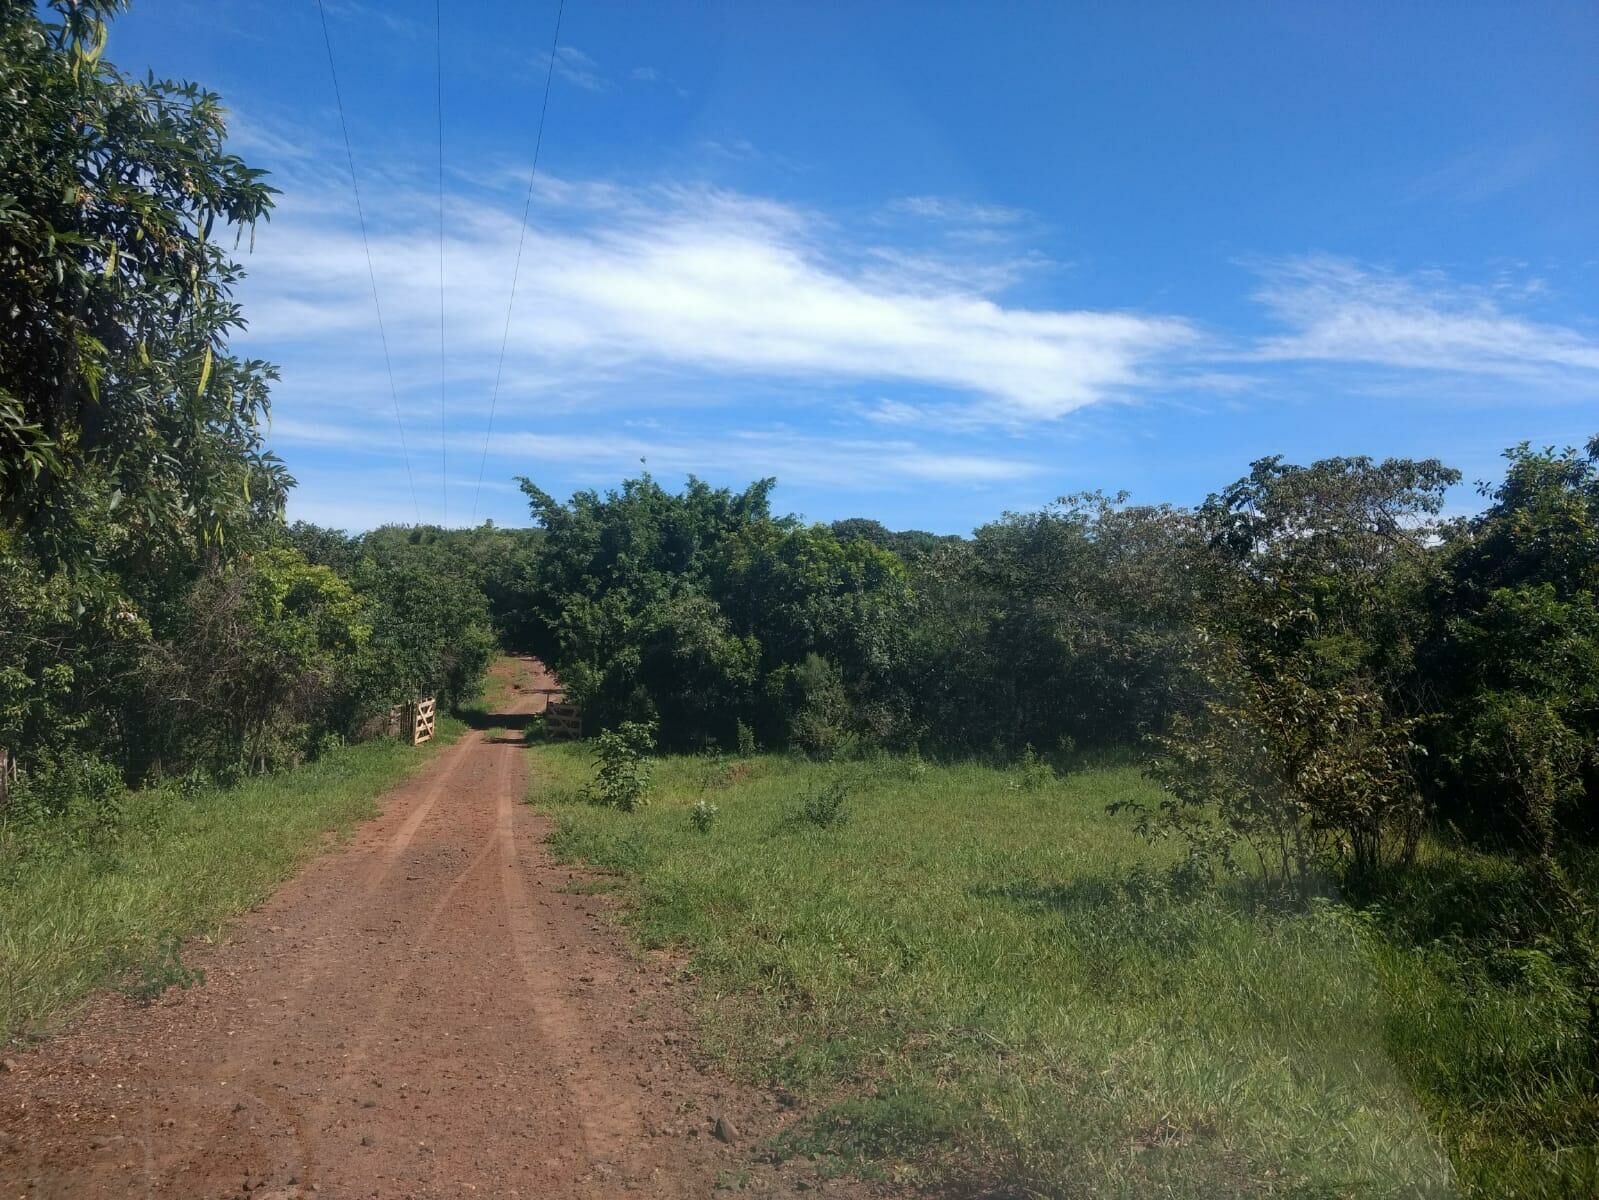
<point>427,1011</point>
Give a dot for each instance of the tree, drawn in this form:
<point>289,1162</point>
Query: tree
<point>1513,654</point>
<point>267,645</point>
<point>1303,744</point>
<point>117,388</point>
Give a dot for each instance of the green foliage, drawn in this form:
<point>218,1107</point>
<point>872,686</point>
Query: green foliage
<point>698,611</point>
<point>256,677</point>
<point>118,393</point>
<point>703,815</point>
<point>1033,771</point>
<point>814,692</point>
<point>824,806</point>
<point>1075,621</point>
<point>1514,652</point>
<point>623,762</point>
<point>162,970</point>
<point>984,992</point>
<point>1310,776</point>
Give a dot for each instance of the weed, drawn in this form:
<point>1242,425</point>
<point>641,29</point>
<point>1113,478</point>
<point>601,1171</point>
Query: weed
<point>162,970</point>
<point>825,806</point>
<point>1032,773</point>
<point>703,815</point>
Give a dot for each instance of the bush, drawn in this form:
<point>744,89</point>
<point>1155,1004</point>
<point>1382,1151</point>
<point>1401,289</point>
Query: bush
<point>622,777</point>
<point>703,815</point>
<point>826,806</point>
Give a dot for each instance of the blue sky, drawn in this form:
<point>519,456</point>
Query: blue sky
<point>923,262</point>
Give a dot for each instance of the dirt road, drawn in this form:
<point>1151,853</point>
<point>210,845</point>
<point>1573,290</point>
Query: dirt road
<point>427,1011</point>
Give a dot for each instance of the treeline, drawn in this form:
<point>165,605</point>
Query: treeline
<point>157,620</point>
<point>240,663</point>
<point>1316,662</point>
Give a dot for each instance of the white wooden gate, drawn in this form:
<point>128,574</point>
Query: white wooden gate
<point>422,724</point>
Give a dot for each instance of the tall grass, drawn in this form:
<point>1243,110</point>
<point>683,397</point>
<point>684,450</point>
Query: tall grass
<point>82,906</point>
<point>988,984</point>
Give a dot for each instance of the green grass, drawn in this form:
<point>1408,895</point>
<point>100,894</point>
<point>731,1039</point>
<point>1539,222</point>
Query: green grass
<point>985,986</point>
<point>81,910</point>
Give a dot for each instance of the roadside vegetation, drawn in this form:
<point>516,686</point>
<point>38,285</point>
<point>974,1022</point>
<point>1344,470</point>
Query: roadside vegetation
<point>170,650</point>
<point>980,978</point>
<point>1330,931</point>
<point>106,893</point>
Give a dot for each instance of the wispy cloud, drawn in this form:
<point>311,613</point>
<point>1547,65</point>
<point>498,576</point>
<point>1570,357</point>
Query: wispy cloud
<point>1338,311</point>
<point>645,75</point>
<point>701,280</point>
<point>964,212</point>
<point>868,463</point>
<point>576,67</point>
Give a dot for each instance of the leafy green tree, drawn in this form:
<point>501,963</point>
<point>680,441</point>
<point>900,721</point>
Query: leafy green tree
<point>117,206</point>
<point>682,608</point>
<point>252,680</point>
<point>431,634</point>
<point>1304,742</point>
<point>1077,621</point>
<point>1514,653</point>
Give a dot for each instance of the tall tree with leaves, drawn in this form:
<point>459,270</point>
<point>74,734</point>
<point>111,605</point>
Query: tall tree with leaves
<point>118,392</point>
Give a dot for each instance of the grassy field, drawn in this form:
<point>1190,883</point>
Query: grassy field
<point>81,907</point>
<point>984,983</point>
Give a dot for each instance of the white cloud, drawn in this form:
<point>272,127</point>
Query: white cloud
<point>962,212</point>
<point>797,458</point>
<point>645,74</point>
<point>577,68</point>
<point>688,279</point>
<point>1336,310</point>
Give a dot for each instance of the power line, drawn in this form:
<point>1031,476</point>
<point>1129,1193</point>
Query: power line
<point>516,270</point>
<point>371,273</point>
<point>438,98</point>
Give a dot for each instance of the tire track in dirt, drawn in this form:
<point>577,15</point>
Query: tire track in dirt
<point>429,1011</point>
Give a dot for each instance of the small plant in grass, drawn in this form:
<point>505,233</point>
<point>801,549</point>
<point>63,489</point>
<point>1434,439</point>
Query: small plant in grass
<point>826,806</point>
<point>703,815</point>
<point>162,970</point>
<point>622,777</point>
<point>746,740</point>
<point>1032,772</point>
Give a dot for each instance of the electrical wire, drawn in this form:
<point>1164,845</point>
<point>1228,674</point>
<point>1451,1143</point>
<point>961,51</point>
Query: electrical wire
<point>371,272</point>
<point>516,269</point>
<point>438,97</point>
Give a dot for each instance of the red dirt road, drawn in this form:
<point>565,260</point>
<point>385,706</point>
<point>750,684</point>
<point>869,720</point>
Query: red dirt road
<point>424,1012</point>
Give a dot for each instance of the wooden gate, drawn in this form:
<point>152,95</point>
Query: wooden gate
<point>422,724</point>
<point>563,720</point>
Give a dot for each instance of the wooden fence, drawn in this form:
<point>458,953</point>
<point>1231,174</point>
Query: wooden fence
<point>563,720</point>
<point>415,720</point>
<point>424,714</point>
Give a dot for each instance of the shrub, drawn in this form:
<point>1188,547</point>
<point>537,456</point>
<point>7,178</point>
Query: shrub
<point>1033,771</point>
<point>825,806</point>
<point>818,726</point>
<point>703,815</point>
<point>622,777</point>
